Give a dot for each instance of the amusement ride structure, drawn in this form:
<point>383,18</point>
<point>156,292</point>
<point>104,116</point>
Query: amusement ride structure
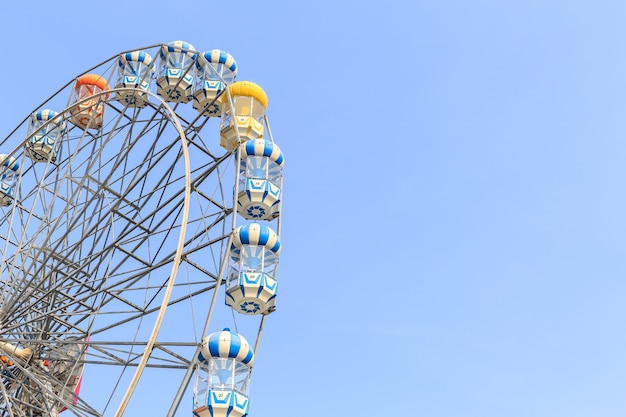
<point>138,200</point>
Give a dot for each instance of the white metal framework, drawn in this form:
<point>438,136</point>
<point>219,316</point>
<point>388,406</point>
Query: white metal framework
<point>125,222</point>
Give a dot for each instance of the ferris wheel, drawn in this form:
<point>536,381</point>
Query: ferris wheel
<point>135,202</point>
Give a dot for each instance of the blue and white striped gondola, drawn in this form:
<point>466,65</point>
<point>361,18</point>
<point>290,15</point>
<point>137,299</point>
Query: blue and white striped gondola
<point>46,127</point>
<point>175,77</point>
<point>225,359</point>
<point>215,69</point>
<point>260,173</point>
<point>135,70</point>
<point>251,283</point>
<point>9,172</point>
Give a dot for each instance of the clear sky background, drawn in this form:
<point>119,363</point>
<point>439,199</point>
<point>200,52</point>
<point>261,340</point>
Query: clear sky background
<point>454,218</point>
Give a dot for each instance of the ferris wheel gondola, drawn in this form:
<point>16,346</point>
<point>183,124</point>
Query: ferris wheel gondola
<point>116,235</point>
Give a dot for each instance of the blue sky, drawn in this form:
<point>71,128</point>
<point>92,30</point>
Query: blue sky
<point>454,218</point>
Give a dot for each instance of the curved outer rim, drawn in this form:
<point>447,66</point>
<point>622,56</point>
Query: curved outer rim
<point>179,248</point>
<point>171,115</point>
